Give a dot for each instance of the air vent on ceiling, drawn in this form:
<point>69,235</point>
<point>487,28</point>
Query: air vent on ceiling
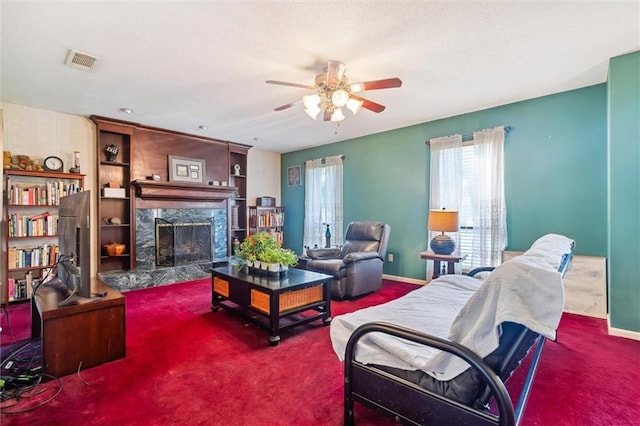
<point>80,60</point>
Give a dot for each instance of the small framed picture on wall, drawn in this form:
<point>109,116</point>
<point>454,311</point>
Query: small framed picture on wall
<point>293,176</point>
<point>183,169</point>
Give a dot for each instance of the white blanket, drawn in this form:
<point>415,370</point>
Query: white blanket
<point>526,290</point>
<point>430,309</point>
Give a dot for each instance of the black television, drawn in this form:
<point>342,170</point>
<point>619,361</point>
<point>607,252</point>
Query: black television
<point>74,241</point>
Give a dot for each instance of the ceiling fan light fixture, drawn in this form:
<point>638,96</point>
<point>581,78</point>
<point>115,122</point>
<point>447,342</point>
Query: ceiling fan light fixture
<point>312,111</point>
<point>354,105</point>
<point>311,101</point>
<point>337,115</point>
<point>333,93</point>
<point>339,97</point>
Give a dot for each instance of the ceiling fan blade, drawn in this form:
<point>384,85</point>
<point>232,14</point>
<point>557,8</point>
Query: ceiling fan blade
<point>335,71</point>
<point>387,83</point>
<point>287,106</point>
<point>282,83</point>
<point>370,105</point>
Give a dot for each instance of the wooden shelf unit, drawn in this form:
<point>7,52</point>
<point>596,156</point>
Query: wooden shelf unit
<point>31,200</point>
<point>267,219</point>
<point>113,174</point>
<point>238,202</point>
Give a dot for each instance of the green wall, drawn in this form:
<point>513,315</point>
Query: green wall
<point>555,172</point>
<point>624,191</point>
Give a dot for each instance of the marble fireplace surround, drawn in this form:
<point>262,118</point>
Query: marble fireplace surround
<point>177,202</point>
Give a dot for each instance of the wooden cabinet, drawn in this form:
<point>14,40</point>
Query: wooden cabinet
<point>31,201</point>
<point>267,219</point>
<point>238,201</point>
<point>86,334</point>
<point>114,207</point>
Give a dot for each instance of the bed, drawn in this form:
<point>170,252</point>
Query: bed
<point>442,353</point>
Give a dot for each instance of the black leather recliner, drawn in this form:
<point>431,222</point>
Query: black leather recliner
<point>356,267</point>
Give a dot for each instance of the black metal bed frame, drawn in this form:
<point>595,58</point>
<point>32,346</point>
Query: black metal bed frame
<point>409,403</point>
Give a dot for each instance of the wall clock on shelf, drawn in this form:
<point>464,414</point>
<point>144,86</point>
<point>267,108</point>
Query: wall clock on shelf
<point>53,164</point>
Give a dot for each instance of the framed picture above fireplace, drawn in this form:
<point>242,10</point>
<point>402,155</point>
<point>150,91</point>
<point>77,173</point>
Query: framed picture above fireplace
<point>184,169</point>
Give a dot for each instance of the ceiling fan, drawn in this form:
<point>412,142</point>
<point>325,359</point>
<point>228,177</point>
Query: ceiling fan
<point>333,93</point>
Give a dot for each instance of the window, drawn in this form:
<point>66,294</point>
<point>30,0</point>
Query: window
<point>469,177</point>
<point>465,218</point>
<point>323,201</point>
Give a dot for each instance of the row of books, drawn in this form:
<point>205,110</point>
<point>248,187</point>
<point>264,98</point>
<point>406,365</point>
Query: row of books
<point>40,225</point>
<point>266,219</point>
<point>48,194</point>
<point>19,289</point>
<point>44,255</point>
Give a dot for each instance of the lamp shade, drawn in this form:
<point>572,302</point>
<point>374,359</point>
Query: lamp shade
<point>443,220</point>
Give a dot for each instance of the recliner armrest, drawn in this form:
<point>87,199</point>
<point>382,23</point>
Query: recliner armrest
<point>324,253</point>
<point>360,255</point>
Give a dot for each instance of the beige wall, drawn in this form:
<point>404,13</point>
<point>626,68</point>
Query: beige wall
<point>263,175</point>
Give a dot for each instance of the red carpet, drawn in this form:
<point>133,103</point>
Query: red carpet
<point>188,365</point>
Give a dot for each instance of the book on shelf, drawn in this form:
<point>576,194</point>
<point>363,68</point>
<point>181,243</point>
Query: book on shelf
<point>32,257</point>
<point>44,224</point>
<point>41,195</point>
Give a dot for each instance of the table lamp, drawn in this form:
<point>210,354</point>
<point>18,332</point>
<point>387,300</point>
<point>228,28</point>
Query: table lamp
<point>443,221</point>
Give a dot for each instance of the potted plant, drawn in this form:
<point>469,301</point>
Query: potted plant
<point>286,258</point>
<point>259,248</point>
<point>269,258</point>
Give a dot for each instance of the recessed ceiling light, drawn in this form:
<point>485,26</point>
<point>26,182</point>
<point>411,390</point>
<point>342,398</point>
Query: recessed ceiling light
<point>126,110</point>
<point>203,127</point>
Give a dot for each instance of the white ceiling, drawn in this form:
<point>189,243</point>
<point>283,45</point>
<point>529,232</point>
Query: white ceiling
<point>180,65</point>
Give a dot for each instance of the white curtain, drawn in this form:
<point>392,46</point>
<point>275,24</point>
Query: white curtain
<point>445,175</point>
<point>323,201</point>
<point>489,209</point>
<point>473,185</point>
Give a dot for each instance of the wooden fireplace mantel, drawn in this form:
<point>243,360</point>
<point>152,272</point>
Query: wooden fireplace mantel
<point>180,191</point>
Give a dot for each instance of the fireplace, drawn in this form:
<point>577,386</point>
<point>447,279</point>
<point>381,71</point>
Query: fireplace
<point>175,237</point>
<point>182,243</point>
<point>198,210</point>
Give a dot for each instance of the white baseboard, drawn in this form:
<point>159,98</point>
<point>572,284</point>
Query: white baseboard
<point>404,279</point>
<point>621,332</point>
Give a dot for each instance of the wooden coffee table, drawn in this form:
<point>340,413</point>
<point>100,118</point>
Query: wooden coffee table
<point>277,301</point>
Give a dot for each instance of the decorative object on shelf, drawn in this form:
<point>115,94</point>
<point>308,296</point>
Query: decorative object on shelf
<point>6,159</point>
<point>184,169</point>
<point>236,246</point>
<point>236,169</point>
<point>109,192</point>
<point>333,93</point>
<point>114,220</point>
<point>53,164</point>
<point>262,253</point>
<point>443,221</point>
<point>112,152</point>
<point>327,237</point>
<point>293,176</point>
<point>115,249</point>
<point>155,178</point>
<point>20,162</point>
<point>76,162</point>
<point>266,201</point>
<point>235,223</point>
